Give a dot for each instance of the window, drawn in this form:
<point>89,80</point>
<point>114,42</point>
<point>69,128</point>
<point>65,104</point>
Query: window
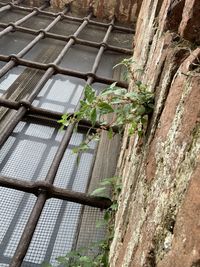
<point>46,59</point>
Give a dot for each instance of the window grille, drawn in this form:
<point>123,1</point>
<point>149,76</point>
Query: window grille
<point>46,59</point>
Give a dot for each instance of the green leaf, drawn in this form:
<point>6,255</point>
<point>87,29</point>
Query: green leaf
<point>62,259</point>
<point>138,83</point>
<point>93,116</point>
<point>132,95</point>
<point>140,132</point>
<point>99,192</point>
<point>105,108</point>
<point>106,182</point>
<point>110,133</point>
<point>132,128</point>
<point>89,93</point>
<point>110,181</point>
<point>82,148</point>
<point>107,216</point>
<point>105,260</point>
<point>65,119</point>
<point>141,110</point>
<point>100,223</point>
<point>116,101</point>
<point>114,206</point>
<point>96,137</point>
<point>106,92</point>
<point>151,106</point>
<point>120,91</point>
<point>111,89</point>
<point>85,259</point>
<point>113,85</point>
<point>125,62</point>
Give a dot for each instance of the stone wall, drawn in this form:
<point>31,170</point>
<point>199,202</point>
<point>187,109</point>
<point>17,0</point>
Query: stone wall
<point>158,222</point>
<point>124,10</point>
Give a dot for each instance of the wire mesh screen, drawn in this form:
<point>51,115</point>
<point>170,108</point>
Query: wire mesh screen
<point>15,207</point>
<point>46,58</point>
<point>35,145</point>
<point>61,93</point>
<point>56,232</point>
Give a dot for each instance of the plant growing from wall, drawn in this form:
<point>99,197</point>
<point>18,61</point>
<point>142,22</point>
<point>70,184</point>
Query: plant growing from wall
<point>127,108</point>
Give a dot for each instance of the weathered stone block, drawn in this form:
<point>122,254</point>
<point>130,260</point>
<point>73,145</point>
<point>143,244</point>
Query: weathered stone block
<point>157,222</point>
<point>124,11</point>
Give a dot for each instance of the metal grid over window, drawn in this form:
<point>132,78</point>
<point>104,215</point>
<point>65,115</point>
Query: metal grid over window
<point>46,59</point>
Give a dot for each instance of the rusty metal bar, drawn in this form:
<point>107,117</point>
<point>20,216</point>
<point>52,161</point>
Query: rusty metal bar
<point>7,6</point>
<point>66,38</point>
<point>56,69</point>
<point>46,114</point>
<point>26,49</point>
<point>92,22</point>
<point>54,192</point>
<point>45,189</point>
<point>49,72</point>
<point>65,141</point>
<point>28,231</point>
<point>12,26</point>
<point>35,214</point>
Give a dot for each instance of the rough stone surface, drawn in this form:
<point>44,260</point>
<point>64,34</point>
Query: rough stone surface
<point>157,224</point>
<point>125,11</point>
<point>190,24</point>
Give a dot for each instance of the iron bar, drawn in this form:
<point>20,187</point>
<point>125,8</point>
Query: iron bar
<point>28,231</point>
<point>30,226</point>
<point>9,5</point>
<point>47,75</point>
<point>18,22</point>
<point>46,114</point>
<point>26,49</point>
<point>56,69</point>
<point>66,138</point>
<point>35,214</point>
<point>45,189</point>
<point>54,192</point>
<point>92,22</point>
<point>66,38</point>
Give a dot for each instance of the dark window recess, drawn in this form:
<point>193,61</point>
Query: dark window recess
<point>46,59</point>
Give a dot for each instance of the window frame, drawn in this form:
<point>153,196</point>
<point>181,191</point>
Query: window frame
<point>24,108</point>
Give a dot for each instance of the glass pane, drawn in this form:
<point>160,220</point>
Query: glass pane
<point>65,27</point>
<point>13,42</point>
<point>80,58</point>
<point>9,78</point>
<point>57,231</point>
<point>35,145</point>
<point>37,22</point>
<point>45,51</point>
<point>19,82</point>
<point>12,16</point>
<point>121,39</point>
<point>61,93</point>
<point>93,33</point>
<point>108,61</point>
